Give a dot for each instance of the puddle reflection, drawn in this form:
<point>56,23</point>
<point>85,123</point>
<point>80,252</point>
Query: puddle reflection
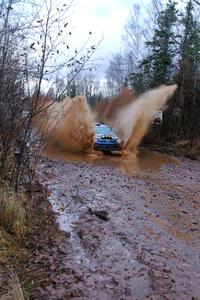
<point>145,161</point>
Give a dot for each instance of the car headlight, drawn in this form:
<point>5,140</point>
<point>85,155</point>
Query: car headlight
<point>97,138</point>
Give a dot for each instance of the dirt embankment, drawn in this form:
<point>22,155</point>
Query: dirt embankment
<point>31,264</point>
<point>129,237</point>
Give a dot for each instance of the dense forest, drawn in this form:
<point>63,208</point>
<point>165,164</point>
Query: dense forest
<point>163,47</point>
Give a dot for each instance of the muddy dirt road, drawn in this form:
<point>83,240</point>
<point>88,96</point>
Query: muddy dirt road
<point>132,235</point>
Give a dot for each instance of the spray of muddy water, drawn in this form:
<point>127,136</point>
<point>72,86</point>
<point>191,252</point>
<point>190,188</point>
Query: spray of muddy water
<point>132,122</point>
<point>69,123</point>
<point>107,109</point>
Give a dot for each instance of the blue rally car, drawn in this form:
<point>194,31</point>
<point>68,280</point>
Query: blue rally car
<point>105,139</point>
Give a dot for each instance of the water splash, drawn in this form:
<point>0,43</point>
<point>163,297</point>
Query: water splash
<point>69,123</point>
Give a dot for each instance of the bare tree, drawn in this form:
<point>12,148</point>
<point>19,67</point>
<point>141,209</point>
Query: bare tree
<point>124,68</point>
<point>34,45</point>
<point>116,73</point>
<point>135,37</point>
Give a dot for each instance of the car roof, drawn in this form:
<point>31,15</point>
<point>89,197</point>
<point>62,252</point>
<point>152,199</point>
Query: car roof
<point>99,124</point>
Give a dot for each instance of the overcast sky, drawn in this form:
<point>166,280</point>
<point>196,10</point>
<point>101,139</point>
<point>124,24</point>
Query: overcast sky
<point>106,19</point>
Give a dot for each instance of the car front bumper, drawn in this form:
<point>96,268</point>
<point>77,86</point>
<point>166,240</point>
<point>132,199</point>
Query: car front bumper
<point>106,146</point>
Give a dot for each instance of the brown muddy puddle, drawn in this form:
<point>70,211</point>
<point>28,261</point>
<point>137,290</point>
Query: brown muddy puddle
<point>146,160</point>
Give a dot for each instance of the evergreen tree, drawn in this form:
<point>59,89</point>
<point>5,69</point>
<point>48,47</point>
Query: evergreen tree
<point>158,67</point>
<point>137,82</point>
<point>189,75</point>
<point>159,62</point>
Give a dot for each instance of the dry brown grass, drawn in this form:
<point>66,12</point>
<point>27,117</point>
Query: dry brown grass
<point>13,216</point>
<point>11,288</point>
<point>12,230</point>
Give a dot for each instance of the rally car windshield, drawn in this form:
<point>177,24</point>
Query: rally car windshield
<point>103,130</point>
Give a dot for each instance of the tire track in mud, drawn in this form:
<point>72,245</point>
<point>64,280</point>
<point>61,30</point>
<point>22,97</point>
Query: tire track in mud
<point>132,237</point>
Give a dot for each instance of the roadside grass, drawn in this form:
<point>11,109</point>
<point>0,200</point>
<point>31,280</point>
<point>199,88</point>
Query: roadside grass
<point>13,216</point>
<point>12,230</point>
<point>194,153</point>
<point>11,290</point>
<point>176,146</point>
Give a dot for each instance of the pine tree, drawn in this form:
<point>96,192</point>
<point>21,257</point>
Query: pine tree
<point>189,75</point>
<point>159,65</point>
<point>159,62</point>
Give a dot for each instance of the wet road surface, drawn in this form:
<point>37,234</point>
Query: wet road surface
<point>133,235</point>
<point>144,161</point>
